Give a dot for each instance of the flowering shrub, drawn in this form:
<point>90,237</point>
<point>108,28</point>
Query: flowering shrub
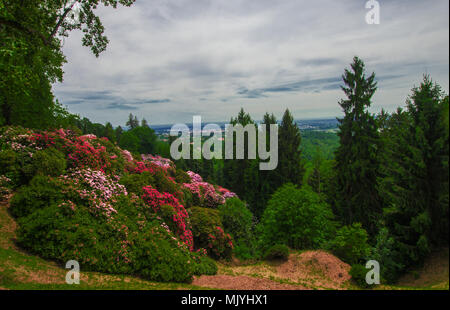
<point>195,177</point>
<point>155,200</point>
<point>84,198</point>
<point>159,161</point>
<point>220,244</point>
<point>205,193</point>
<point>97,189</point>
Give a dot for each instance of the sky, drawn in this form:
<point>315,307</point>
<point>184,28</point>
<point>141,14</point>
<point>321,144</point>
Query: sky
<point>169,60</point>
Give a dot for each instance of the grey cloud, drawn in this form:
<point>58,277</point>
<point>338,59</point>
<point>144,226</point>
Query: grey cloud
<point>120,106</point>
<point>182,55</point>
<point>304,86</point>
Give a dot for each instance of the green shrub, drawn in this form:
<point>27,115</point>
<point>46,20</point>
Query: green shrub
<point>10,166</point>
<point>206,266</point>
<point>121,245</point>
<point>236,218</point>
<point>41,192</point>
<point>203,223</point>
<point>49,162</point>
<point>182,177</point>
<point>7,161</point>
<point>135,182</point>
<point>297,218</point>
<point>277,252</point>
<point>238,221</point>
<point>358,273</point>
<point>164,185</point>
<point>187,199</point>
<point>220,244</point>
<point>350,244</point>
<point>386,253</point>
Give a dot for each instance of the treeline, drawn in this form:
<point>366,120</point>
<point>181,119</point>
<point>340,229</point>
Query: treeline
<point>389,173</point>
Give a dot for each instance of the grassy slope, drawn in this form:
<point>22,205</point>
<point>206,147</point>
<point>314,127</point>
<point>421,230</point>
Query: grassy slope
<point>23,271</point>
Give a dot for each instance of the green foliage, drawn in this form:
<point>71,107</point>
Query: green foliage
<point>290,165</point>
<point>415,176</point>
<point>386,253</point>
<point>31,57</point>
<point>139,140</point>
<point>41,192</point>
<point>358,273</point>
<point>182,177</point>
<point>297,218</point>
<point>277,252</point>
<point>206,266</point>
<point>203,222</point>
<point>238,221</point>
<point>241,175</point>
<point>99,246</point>
<point>350,244</point>
<point>165,185</point>
<point>8,166</point>
<point>135,182</point>
<point>49,162</point>
<point>357,161</point>
<point>314,141</point>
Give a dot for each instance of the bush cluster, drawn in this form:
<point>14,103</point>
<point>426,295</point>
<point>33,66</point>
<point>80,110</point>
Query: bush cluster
<point>297,218</point>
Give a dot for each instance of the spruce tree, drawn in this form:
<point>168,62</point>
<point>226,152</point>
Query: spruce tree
<point>267,178</point>
<point>290,164</point>
<point>242,175</point>
<point>357,160</point>
<point>415,170</point>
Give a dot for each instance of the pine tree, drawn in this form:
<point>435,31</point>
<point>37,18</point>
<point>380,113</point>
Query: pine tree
<point>109,132</point>
<point>267,178</point>
<point>290,164</point>
<point>415,172</point>
<point>242,175</point>
<point>357,161</point>
<point>119,131</point>
<point>315,179</point>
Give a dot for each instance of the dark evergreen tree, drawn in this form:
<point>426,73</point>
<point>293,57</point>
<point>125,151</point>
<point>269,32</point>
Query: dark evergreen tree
<point>315,179</point>
<point>119,131</point>
<point>241,175</point>
<point>290,164</point>
<point>415,170</point>
<point>109,132</point>
<point>357,161</point>
<point>132,122</point>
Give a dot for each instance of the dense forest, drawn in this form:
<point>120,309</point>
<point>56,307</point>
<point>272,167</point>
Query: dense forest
<point>377,189</point>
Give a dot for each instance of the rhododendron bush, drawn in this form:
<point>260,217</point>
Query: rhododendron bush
<point>79,207</point>
<point>155,200</point>
<point>206,194</point>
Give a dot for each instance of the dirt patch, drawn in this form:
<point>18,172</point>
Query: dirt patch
<point>227,282</point>
<point>320,268</point>
<point>310,269</point>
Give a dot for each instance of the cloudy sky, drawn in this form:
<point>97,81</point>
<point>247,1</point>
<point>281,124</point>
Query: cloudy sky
<point>171,59</point>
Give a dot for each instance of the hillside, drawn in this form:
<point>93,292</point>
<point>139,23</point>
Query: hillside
<point>309,270</point>
<point>138,222</point>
